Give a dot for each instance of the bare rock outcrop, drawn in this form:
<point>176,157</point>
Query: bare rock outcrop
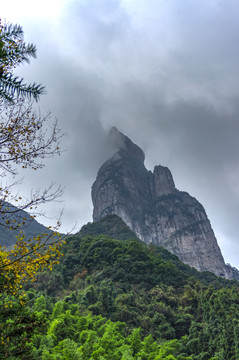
<point>155,210</point>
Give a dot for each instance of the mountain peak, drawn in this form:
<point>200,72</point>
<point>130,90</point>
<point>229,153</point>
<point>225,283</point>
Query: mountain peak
<point>154,209</point>
<point>125,146</point>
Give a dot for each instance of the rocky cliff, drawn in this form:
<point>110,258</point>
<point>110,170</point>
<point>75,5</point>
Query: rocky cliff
<point>154,209</point>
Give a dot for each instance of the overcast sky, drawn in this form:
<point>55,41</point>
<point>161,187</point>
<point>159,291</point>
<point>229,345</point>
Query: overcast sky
<point>165,72</point>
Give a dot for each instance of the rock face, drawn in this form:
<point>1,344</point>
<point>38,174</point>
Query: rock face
<point>155,210</point>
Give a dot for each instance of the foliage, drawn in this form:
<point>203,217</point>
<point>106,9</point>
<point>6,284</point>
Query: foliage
<point>164,310</point>
<point>26,139</point>
<point>21,264</point>
<point>17,326</point>
<point>71,335</point>
<point>119,230</point>
<point>13,52</point>
<point>24,143</point>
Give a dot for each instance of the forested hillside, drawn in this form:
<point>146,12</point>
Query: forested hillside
<point>113,297</point>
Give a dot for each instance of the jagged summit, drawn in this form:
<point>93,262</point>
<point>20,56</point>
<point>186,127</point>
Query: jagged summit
<point>125,146</point>
<point>154,209</point>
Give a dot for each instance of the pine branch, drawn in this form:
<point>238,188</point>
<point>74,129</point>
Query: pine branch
<point>10,85</point>
<point>13,52</point>
<point>21,53</point>
<point>9,31</point>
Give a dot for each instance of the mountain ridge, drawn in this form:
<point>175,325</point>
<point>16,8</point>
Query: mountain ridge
<point>19,220</point>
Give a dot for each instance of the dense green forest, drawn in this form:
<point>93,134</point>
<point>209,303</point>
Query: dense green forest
<point>113,297</point>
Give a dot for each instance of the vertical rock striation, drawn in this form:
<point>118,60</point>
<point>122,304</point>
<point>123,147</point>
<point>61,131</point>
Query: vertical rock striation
<point>154,209</point>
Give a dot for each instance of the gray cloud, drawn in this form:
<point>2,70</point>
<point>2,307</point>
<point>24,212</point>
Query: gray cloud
<point>167,75</point>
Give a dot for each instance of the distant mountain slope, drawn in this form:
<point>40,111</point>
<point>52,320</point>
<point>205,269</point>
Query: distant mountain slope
<point>30,228</point>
